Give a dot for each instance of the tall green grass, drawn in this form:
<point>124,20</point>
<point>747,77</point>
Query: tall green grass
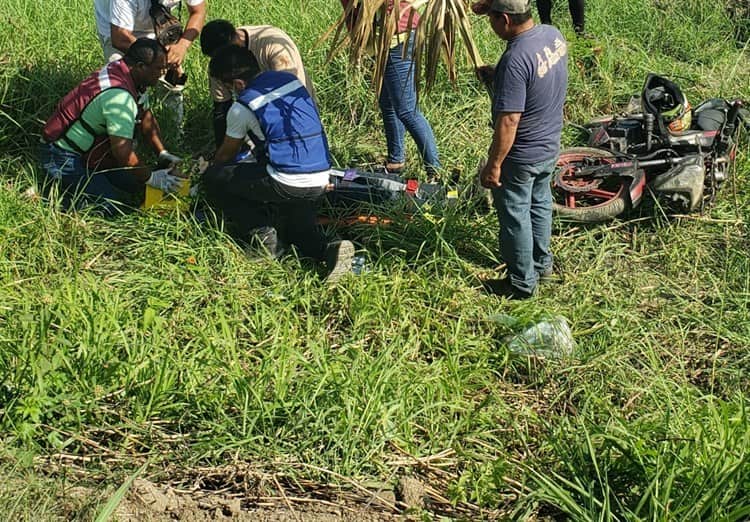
<point>153,339</point>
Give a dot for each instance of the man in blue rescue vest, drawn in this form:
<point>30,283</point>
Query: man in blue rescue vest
<point>291,166</point>
<point>88,145</point>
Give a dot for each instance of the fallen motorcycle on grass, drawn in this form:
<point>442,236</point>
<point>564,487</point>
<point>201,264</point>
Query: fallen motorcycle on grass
<point>659,145</point>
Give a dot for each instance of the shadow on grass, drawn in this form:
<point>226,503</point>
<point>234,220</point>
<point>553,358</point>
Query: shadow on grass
<point>28,95</point>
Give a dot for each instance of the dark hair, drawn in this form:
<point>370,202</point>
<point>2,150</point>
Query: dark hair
<point>216,34</point>
<point>145,51</point>
<point>233,63</point>
<point>520,18</point>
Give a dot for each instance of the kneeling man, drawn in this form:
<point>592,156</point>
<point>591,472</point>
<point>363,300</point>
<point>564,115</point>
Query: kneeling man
<point>275,111</point>
<point>88,145</point>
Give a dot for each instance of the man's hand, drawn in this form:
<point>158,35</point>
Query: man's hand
<point>165,181</point>
<point>167,159</point>
<point>489,177</point>
<point>203,164</point>
<point>485,73</point>
<point>176,53</point>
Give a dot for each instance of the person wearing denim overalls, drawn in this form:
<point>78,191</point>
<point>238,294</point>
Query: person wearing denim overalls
<point>530,83</point>
<point>398,98</point>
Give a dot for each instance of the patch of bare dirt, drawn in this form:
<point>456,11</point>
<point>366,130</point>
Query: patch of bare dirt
<point>149,502</point>
<point>274,493</point>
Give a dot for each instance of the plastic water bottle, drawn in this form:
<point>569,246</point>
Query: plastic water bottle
<point>358,265</point>
<point>550,339</point>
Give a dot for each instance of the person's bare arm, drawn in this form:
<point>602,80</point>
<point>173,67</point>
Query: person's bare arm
<point>228,149</point>
<point>125,156</point>
<point>122,38</point>
<point>196,19</point>
<point>150,131</point>
<point>502,141</point>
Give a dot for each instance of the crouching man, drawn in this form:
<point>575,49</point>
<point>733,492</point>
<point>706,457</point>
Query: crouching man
<point>275,111</point>
<point>272,48</point>
<point>87,144</point>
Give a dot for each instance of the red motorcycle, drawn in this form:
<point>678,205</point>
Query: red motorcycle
<point>681,155</point>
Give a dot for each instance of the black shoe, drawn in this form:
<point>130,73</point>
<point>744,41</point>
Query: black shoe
<point>265,241</point>
<point>339,257</point>
<point>504,288</point>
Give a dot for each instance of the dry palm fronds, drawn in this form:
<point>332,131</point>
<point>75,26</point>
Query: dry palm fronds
<point>368,27</point>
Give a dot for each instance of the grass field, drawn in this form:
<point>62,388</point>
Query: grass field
<point>151,343</point>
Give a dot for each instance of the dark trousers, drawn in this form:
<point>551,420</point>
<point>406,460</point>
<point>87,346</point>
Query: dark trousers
<point>249,197</point>
<point>576,12</point>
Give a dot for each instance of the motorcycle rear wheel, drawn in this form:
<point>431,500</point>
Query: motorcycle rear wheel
<point>588,200</point>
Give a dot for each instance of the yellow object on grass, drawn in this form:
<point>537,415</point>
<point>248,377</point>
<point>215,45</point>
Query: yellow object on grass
<point>158,200</point>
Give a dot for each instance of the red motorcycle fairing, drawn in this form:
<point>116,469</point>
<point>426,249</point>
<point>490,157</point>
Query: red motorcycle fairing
<point>637,184</point>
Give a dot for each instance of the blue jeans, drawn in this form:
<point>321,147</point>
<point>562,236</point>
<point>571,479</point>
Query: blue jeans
<point>398,106</point>
<point>112,192</point>
<point>524,209</point>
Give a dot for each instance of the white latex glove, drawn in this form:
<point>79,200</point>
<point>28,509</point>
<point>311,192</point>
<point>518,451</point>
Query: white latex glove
<point>168,159</point>
<point>202,164</point>
<point>164,181</point>
<point>194,190</point>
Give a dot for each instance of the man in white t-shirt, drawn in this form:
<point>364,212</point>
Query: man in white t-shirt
<point>120,22</point>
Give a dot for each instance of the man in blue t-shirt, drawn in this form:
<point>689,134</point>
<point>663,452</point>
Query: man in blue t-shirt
<point>530,82</point>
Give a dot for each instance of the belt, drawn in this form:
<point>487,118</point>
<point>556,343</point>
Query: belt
<point>58,147</point>
<point>400,38</point>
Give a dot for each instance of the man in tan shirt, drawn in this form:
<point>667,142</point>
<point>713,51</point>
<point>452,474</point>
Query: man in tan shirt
<point>272,48</point>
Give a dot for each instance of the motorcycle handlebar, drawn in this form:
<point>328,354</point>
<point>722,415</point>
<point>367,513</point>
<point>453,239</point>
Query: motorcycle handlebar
<point>743,115</point>
<point>734,112</point>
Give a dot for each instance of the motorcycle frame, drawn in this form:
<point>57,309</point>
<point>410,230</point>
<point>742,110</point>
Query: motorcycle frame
<point>640,169</point>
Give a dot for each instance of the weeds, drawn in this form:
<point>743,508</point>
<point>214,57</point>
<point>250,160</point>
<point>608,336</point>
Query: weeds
<point>152,339</point>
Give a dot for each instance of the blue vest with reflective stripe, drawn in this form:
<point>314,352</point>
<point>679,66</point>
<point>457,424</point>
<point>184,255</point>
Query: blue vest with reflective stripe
<point>295,140</point>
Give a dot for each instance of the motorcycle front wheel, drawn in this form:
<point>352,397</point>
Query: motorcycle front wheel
<point>587,200</point>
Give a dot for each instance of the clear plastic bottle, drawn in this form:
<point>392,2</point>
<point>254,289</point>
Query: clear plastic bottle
<point>550,338</point>
<point>358,265</point>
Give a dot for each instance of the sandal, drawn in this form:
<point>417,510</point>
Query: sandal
<point>394,168</point>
